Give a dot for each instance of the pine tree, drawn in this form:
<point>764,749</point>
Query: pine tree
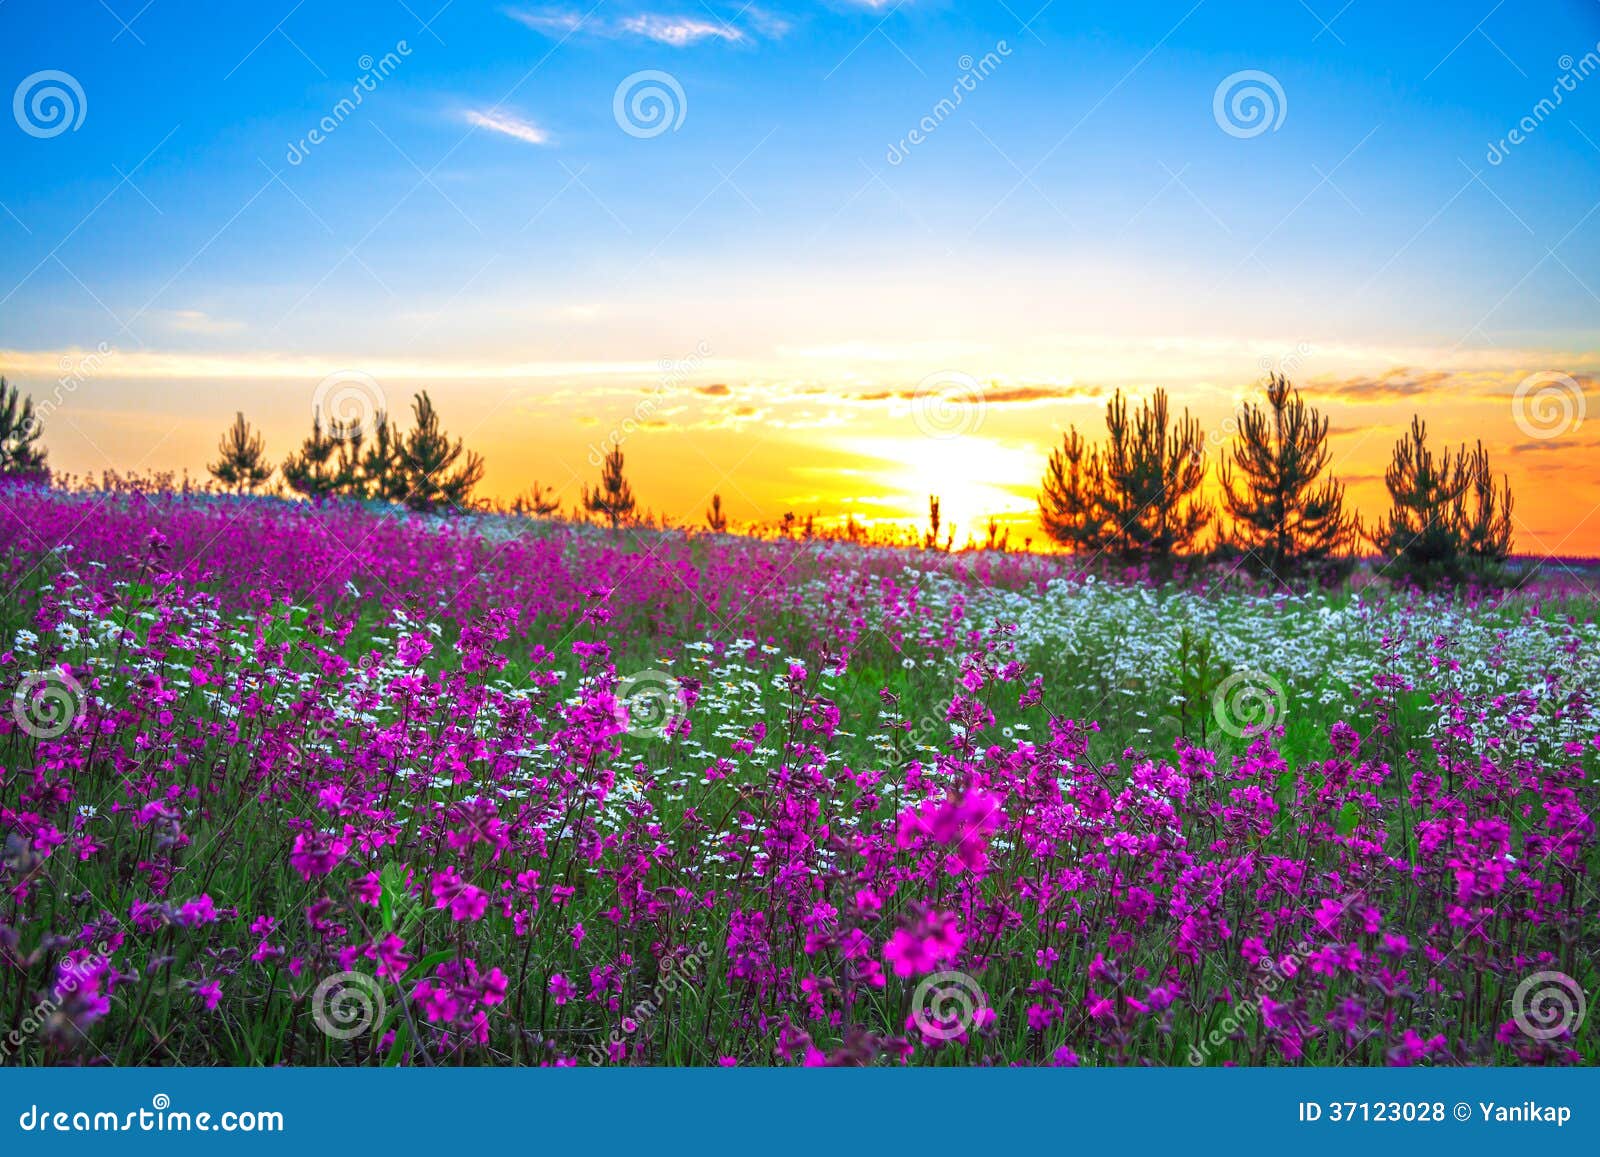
<point>716,518</point>
<point>1150,472</point>
<point>435,471</point>
<point>1069,505</point>
<point>1286,516</point>
<point>324,466</point>
<point>1417,536</point>
<point>613,498</point>
<point>20,452</point>
<point>538,502</point>
<point>1447,521</point>
<point>1486,531</point>
<point>930,540</point>
<point>242,463</point>
<point>382,471</point>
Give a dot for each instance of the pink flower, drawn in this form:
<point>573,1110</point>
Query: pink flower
<point>413,649</point>
<point>964,823</point>
<point>932,941</point>
<point>83,987</point>
<point>493,987</point>
<point>561,988</point>
<point>438,1001</point>
<point>391,957</point>
<point>1413,1048</point>
<point>316,854</point>
<point>198,911</point>
<point>368,889</point>
<point>466,902</point>
<point>210,993</point>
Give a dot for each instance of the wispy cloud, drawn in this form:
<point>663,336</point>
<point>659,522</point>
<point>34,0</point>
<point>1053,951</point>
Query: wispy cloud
<point>681,31</point>
<point>1401,382</point>
<point>768,24</point>
<point>198,321</point>
<point>1558,445</point>
<point>1024,394</point>
<point>674,31</point>
<point>548,21</point>
<point>497,121</point>
<point>248,365</point>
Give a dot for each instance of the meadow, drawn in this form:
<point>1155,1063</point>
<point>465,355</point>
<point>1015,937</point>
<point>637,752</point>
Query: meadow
<point>289,783</point>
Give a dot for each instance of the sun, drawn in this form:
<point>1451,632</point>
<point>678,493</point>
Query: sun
<point>974,478</point>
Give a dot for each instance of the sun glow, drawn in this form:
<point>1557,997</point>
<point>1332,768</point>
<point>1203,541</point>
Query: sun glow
<point>974,479</point>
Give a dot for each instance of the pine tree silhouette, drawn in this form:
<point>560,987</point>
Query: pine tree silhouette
<point>1136,497</point>
<point>241,464</point>
<point>613,498</point>
<point>382,471</point>
<point>1153,471</point>
<point>1486,530</point>
<point>20,429</point>
<point>325,465</point>
<point>716,519</point>
<point>538,502</point>
<point>1286,515</point>
<point>1069,506</point>
<point>1447,521</point>
<point>436,472</point>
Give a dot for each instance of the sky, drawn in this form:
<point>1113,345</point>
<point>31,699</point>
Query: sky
<point>824,258</point>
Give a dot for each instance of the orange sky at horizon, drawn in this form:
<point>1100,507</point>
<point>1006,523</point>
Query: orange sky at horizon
<point>844,435</point>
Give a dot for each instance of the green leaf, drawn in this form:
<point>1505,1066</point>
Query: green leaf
<point>397,1050</point>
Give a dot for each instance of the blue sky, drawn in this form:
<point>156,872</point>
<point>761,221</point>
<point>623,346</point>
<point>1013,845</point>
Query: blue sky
<point>1082,216</point>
